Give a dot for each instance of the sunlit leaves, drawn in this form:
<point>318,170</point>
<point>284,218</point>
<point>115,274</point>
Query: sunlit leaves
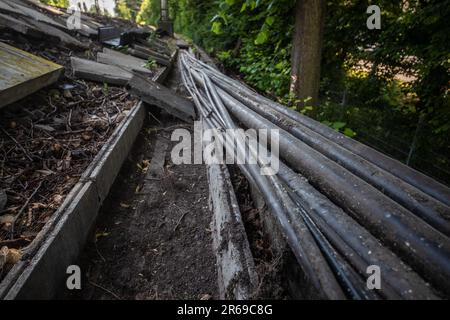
<point>216,27</point>
<point>262,37</point>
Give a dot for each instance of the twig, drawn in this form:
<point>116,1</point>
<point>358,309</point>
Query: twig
<point>69,121</point>
<point>179,221</point>
<point>154,117</point>
<point>18,144</point>
<point>106,290</point>
<point>98,252</point>
<point>23,208</point>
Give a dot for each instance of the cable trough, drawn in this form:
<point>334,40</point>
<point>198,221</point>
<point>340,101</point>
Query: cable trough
<point>341,205</point>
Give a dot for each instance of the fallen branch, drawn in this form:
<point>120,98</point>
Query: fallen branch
<point>22,209</point>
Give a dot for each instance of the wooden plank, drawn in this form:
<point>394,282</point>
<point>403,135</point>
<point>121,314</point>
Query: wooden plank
<point>87,31</point>
<point>151,52</point>
<point>156,45</point>
<point>122,60</point>
<point>181,44</point>
<point>22,74</point>
<point>39,30</point>
<point>60,16</point>
<point>99,72</point>
<point>50,9</point>
<point>160,96</point>
<point>146,56</point>
<point>17,8</point>
<point>64,37</point>
<point>7,8</point>
<point>8,22</point>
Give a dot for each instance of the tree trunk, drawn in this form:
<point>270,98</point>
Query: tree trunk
<point>306,50</point>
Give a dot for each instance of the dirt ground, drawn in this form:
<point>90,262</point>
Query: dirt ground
<point>153,238</point>
<point>157,245</point>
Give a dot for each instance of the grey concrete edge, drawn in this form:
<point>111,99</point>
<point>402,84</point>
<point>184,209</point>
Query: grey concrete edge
<point>236,274</point>
<point>237,278</point>
<point>43,265</point>
<point>34,276</point>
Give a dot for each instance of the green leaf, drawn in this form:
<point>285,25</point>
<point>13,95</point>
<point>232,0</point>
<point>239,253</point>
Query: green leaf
<point>216,27</point>
<point>338,125</point>
<point>270,20</point>
<point>262,37</point>
<point>279,65</point>
<point>349,132</point>
<point>230,2</point>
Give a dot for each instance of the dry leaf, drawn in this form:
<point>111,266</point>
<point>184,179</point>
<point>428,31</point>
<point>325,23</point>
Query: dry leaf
<point>13,256</point>
<point>3,254</point>
<point>6,219</point>
<point>100,235</point>
<point>138,189</point>
<point>9,256</point>
<point>86,137</point>
<point>58,199</point>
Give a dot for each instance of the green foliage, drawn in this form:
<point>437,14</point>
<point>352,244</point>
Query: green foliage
<point>149,12</point>
<point>341,127</point>
<point>105,88</point>
<point>413,41</point>
<point>123,9</point>
<point>376,81</point>
<point>151,64</point>
<point>57,3</point>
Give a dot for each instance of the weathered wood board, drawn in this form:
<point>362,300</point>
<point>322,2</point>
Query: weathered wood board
<point>94,71</point>
<point>47,8</point>
<point>158,95</point>
<point>10,6</point>
<point>64,37</point>
<point>181,44</point>
<point>8,22</point>
<point>122,60</point>
<point>22,74</point>
<point>151,51</point>
<point>147,56</point>
<point>57,17</point>
<point>39,30</point>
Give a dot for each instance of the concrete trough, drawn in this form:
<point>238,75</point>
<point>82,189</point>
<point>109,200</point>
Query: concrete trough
<point>237,278</point>
<point>42,269</point>
<point>236,274</point>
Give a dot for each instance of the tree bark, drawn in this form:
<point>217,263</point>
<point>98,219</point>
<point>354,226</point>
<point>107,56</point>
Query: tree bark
<point>307,50</point>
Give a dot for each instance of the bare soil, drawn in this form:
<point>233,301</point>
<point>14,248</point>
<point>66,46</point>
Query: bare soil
<point>161,249</point>
<point>270,267</point>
